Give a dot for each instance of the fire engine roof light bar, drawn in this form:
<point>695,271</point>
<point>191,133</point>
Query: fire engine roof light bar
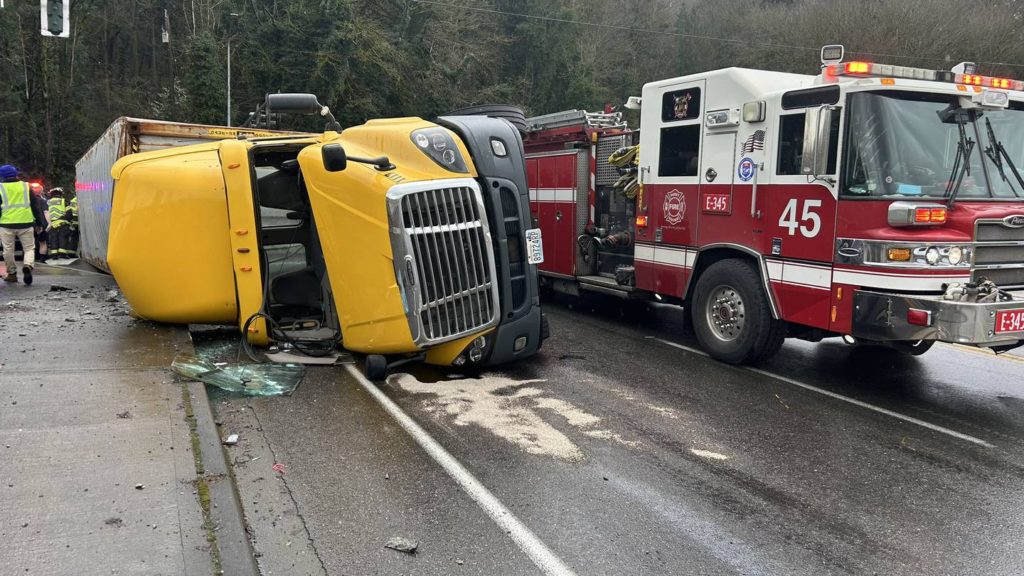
<point>871,69</point>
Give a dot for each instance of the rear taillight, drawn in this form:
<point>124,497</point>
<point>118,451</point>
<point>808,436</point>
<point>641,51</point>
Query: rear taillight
<point>919,317</point>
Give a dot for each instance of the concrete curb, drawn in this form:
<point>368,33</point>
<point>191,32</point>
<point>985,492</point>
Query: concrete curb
<point>236,554</point>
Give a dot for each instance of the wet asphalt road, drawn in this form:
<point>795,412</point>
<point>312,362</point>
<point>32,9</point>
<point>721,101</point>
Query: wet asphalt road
<point>627,455</point>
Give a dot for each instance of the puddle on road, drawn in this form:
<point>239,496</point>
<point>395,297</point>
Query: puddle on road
<point>511,410</point>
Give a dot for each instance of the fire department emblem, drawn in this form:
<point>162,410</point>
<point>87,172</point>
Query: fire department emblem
<point>746,168</point>
<point>674,208</point>
<point>681,105</point>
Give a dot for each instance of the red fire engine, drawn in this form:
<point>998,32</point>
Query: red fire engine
<point>883,204</point>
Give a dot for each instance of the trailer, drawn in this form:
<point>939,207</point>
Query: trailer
<point>95,186</point>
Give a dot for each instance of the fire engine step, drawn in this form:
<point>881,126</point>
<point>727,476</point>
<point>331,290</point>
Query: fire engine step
<point>605,285</point>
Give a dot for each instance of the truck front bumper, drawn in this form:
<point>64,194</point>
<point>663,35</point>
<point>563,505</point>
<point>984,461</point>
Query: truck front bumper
<point>883,317</point>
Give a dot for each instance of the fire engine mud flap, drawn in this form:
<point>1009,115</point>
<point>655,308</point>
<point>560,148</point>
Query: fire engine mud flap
<point>888,317</point>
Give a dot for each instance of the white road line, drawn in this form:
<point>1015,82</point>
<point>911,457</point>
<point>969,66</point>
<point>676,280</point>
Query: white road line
<point>542,556</point>
<point>855,402</point>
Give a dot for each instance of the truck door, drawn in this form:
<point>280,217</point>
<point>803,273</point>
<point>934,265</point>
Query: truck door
<point>244,233</point>
<point>670,149</point>
<point>798,212</point>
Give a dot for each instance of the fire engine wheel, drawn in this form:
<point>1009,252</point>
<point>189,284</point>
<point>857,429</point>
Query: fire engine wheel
<point>732,318</point>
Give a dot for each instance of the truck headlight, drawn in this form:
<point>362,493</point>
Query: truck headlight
<point>932,255</point>
<point>437,143</point>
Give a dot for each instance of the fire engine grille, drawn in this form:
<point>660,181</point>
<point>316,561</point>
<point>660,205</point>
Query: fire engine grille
<point>515,242</point>
<point>999,253</point>
<point>443,254</point>
<point>606,173</point>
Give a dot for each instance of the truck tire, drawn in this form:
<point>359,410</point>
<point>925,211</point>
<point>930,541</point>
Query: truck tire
<point>513,114</point>
<point>376,367</point>
<point>732,318</point>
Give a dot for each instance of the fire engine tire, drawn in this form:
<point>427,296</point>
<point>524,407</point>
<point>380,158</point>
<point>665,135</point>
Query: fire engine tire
<point>512,114</point>
<point>732,318</point>
<point>376,367</point>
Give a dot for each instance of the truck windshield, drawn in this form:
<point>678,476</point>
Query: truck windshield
<point>910,144</point>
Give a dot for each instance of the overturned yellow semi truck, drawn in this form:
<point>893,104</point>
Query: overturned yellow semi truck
<point>399,239</point>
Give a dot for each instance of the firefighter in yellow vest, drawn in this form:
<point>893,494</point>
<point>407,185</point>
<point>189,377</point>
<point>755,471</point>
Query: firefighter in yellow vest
<point>58,224</point>
<point>17,223</point>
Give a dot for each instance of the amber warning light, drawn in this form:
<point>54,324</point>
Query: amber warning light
<point>930,215</point>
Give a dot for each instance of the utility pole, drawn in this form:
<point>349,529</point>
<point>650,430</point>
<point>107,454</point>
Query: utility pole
<point>231,15</point>
<point>229,82</point>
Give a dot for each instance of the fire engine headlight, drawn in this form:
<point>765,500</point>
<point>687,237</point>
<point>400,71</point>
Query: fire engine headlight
<point>932,256</point>
<point>438,144</point>
<point>955,255</point>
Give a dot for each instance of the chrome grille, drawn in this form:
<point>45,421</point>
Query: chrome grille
<point>999,253</point>
<point>443,258</point>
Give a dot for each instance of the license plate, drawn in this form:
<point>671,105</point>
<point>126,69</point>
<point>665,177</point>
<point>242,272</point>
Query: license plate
<point>1009,321</point>
<point>534,246</point>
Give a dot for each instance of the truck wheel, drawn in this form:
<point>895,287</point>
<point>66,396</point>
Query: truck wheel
<point>376,367</point>
<point>732,318</point>
<point>514,115</point>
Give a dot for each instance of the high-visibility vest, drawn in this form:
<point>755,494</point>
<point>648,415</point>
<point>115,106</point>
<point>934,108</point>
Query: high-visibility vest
<point>57,210</point>
<point>73,209</point>
<point>15,203</point>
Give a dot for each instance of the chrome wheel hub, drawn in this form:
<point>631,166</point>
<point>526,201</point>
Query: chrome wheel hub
<point>726,314</point>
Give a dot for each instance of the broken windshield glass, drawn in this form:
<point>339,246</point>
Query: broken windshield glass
<point>251,379</point>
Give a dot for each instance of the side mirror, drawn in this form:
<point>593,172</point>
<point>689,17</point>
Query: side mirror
<point>293,104</point>
<point>334,157</point>
<point>817,133</point>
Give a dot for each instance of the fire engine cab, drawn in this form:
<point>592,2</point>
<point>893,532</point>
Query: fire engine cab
<point>880,203</point>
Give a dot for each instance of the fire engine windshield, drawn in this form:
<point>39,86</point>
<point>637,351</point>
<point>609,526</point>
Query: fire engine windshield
<point>910,144</point>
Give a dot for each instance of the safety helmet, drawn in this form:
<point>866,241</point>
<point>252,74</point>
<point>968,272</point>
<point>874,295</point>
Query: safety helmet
<point>8,172</point>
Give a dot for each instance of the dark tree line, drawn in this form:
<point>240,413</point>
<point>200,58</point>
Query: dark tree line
<point>379,58</point>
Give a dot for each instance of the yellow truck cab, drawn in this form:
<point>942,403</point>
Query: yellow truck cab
<point>400,238</point>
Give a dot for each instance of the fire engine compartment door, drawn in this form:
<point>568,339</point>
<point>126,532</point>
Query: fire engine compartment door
<point>718,173</point>
<point>244,234</point>
<point>554,180</point>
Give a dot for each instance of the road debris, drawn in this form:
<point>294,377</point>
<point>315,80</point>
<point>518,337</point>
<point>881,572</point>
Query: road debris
<point>124,415</point>
<point>115,522</point>
<point>139,486</point>
<point>402,545</point>
<point>231,440</point>
<point>279,468</point>
<point>251,379</point>
<point>59,288</point>
<point>113,296</point>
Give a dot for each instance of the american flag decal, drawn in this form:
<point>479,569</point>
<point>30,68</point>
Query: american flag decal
<point>755,142</point>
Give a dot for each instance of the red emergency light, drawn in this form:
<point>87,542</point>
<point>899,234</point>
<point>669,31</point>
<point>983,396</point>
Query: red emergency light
<point>36,185</point>
<point>641,221</point>
<point>930,215</point>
